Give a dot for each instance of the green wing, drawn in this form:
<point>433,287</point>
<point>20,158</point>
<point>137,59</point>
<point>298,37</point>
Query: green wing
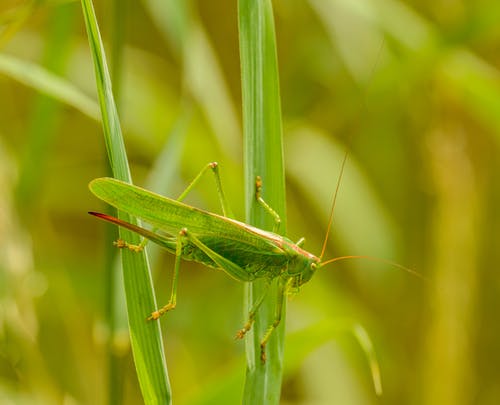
<point>171,216</point>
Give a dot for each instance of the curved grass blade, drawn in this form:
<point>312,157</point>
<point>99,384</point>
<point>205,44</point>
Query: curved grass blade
<point>304,342</point>
<point>147,346</point>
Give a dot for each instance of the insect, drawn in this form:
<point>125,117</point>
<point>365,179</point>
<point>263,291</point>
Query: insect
<point>244,252</point>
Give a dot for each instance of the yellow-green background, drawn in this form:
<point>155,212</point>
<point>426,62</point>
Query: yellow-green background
<point>410,89</point>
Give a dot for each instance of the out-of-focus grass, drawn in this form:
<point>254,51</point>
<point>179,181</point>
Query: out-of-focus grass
<point>410,89</point>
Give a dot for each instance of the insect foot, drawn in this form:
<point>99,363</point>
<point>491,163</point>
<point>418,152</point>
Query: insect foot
<point>263,353</point>
<point>258,186</point>
<point>121,244</point>
<point>242,332</point>
<point>156,314</point>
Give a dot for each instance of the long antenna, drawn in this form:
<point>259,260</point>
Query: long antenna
<point>376,259</point>
<point>330,220</point>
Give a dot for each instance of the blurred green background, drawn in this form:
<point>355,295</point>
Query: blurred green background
<point>410,88</point>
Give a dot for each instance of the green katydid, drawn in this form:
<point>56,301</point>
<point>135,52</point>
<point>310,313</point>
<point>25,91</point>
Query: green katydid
<point>244,252</point>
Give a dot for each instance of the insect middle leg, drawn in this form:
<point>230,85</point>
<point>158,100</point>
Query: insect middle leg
<point>282,288</point>
<point>251,315</point>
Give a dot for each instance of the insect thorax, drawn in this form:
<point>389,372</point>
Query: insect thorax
<point>301,268</point>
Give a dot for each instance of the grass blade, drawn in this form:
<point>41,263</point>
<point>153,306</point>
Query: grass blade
<point>115,304</point>
<point>145,337</point>
<point>263,156</point>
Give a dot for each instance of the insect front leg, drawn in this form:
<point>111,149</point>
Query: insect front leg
<point>265,205</point>
<point>251,315</point>
<point>282,286</point>
<point>181,241</point>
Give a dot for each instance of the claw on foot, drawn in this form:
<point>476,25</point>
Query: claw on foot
<point>258,186</point>
<point>241,334</point>
<point>121,244</point>
<point>156,314</point>
<point>263,353</point>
